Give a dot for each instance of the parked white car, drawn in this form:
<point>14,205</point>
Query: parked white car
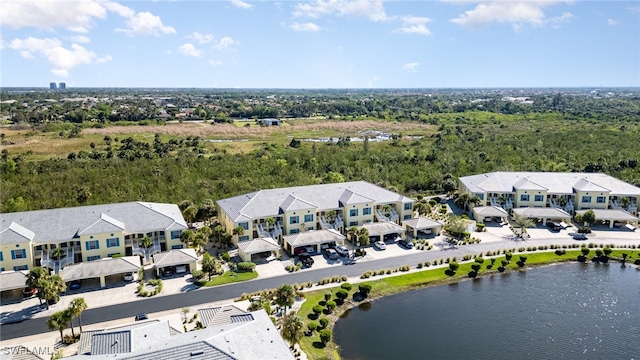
<point>380,245</point>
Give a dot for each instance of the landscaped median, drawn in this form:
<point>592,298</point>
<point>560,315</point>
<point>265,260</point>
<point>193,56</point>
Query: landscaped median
<point>319,304</point>
<point>229,277</point>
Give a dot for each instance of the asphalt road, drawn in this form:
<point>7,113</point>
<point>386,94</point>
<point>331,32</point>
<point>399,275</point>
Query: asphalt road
<point>35,326</point>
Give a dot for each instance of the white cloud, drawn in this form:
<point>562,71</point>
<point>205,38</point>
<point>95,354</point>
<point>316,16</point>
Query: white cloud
<point>225,43</point>
<point>612,22</point>
<point>121,10</point>
<point>61,58</point>
<point>241,4</point>
<point>201,38</point>
<point>80,39</point>
<point>410,67</point>
<point>372,9</point>
<point>215,62</point>
<point>308,27</point>
<point>516,13</point>
<point>189,50</point>
<point>146,24</point>
<point>414,25</point>
<point>76,16</point>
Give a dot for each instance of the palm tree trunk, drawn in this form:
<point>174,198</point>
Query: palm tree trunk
<point>73,334</point>
<point>80,322</point>
<point>61,336</point>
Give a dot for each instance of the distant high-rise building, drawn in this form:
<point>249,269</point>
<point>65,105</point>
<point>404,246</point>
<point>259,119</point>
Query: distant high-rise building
<point>62,86</point>
<point>52,86</point>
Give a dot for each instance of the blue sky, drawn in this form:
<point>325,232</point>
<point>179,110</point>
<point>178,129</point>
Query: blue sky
<point>320,43</point>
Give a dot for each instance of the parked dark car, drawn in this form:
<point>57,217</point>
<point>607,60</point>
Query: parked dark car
<point>405,243</point>
<point>305,259</point>
<point>167,271</point>
<point>579,237</point>
<point>554,226</point>
<point>74,285</point>
<point>141,316</point>
<point>29,292</point>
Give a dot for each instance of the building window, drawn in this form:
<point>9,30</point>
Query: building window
<point>294,231</point>
<point>408,206</point>
<point>19,254</point>
<point>113,242</point>
<point>176,234</point>
<point>94,257</point>
<point>353,212</point>
<point>113,254</point>
<point>366,211</point>
<point>243,238</point>
<point>480,196</point>
<point>538,198</point>
<point>308,218</point>
<point>353,223</point>
<point>244,225</point>
<point>366,221</point>
<point>92,245</point>
<point>294,220</point>
<point>406,217</point>
<point>524,197</point>
<point>1,257</point>
<point>21,267</point>
<point>586,199</point>
<point>601,199</point>
<point>174,247</point>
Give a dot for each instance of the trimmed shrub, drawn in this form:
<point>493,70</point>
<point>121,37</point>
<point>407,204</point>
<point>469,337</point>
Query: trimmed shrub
<point>364,288</point>
<point>312,326</point>
<point>346,286</point>
<point>225,256</point>
<point>342,294</point>
<point>324,322</point>
<point>331,305</point>
<point>327,295</point>
<point>246,266</point>
<point>317,309</point>
<point>325,336</point>
<point>197,275</point>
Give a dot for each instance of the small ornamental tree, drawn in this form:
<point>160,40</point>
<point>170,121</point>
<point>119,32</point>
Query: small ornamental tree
<point>346,286</point>
<point>325,336</point>
<point>453,266</point>
<point>312,326</point>
<point>585,251</point>
<point>342,294</point>
<point>317,309</point>
<point>324,322</point>
<point>365,288</point>
<point>331,305</point>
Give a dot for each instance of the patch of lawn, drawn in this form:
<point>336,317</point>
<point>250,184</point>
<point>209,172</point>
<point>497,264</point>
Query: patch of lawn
<point>226,278</point>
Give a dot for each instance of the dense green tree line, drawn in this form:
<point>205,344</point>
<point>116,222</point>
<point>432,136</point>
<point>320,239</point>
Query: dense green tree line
<point>183,169</point>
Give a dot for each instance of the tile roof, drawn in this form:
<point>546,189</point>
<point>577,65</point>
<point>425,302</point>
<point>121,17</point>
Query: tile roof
<point>174,257</point>
<point>490,211</point>
<point>609,214</point>
<point>221,315</point>
<point>556,183</point>
<point>64,224</point>
<point>101,267</point>
<point>382,228</point>
<point>265,203</point>
<point>314,237</point>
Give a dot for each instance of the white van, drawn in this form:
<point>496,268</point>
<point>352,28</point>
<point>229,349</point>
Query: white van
<point>181,269</point>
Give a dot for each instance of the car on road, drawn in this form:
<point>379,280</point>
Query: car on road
<point>306,259</point>
<point>579,236</point>
<point>141,316</point>
<point>406,244</point>
<point>342,250</point>
<point>332,254</point>
<point>74,285</point>
<point>380,245</point>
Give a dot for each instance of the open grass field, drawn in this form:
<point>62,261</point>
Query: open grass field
<point>228,278</point>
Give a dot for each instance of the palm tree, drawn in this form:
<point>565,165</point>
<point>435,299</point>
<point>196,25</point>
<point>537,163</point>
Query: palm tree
<point>199,241</point>
<point>57,321</point>
<point>187,237</point>
<point>363,237</point>
<point>52,285</point>
<point>292,328</point>
<point>523,223</point>
<point>190,213</point>
<point>57,253</point>
<point>239,231</point>
<point>146,242</point>
<point>218,230</point>
<point>285,296</point>
<point>352,232</point>
<point>68,316</point>
<point>206,232</point>
<point>77,306</point>
<point>462,201</point>
<point>271,222</point>
<point>34,279</point>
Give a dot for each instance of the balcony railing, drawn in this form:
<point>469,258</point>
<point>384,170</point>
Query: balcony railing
<point>57,265</point>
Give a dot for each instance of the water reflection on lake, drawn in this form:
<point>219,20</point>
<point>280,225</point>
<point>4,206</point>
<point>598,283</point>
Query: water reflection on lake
<point>571,311</point>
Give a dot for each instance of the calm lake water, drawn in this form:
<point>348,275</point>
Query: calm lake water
<point>572,311</point>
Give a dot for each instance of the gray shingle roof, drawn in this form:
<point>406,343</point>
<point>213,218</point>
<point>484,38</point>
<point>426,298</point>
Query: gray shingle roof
<point>294,203</point>
<point>526,184</point>
<point>200,350</point>
<point>258,245</point>
<point>556,183</point>
<point>421,223</point>
<point>97,268</point>
<point>15,233</point>
<point>64,224</point>
<point>350,197</point>
<point>382,228</point>
<point>265,203</point>
<point>609,214</point>
<point>175,257</point>
<point>11,280</point>
<point>105,224</point>
<point>84,345</point>
<point>490,211</point>
<point>314,237</point>
<point>539,213</point>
